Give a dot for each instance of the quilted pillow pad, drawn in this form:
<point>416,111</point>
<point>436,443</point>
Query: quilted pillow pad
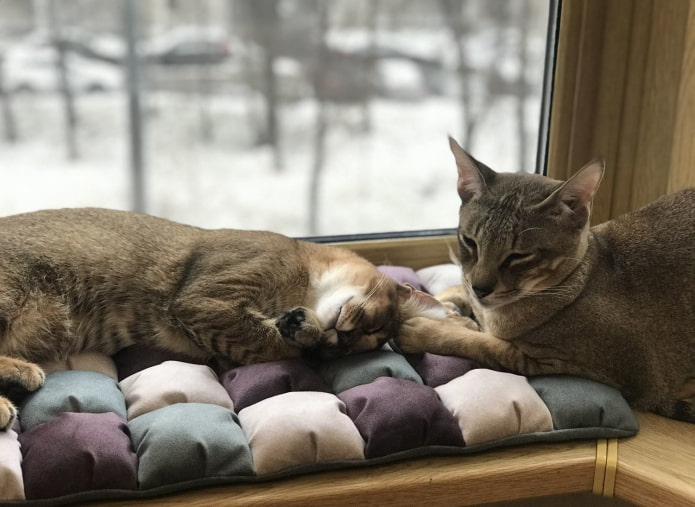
<point>147,422</point>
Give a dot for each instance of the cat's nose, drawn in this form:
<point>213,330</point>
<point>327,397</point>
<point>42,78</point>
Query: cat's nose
<point>483,290</point>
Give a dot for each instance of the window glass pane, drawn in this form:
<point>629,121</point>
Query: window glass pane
<point>306,117</point>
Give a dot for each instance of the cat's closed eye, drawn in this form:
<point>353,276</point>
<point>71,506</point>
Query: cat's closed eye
<point>374,330</point>
<point>469,243</point>
<point>516,258</point>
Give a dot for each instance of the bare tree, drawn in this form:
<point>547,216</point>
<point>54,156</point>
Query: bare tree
<point>263,28</point>
<point>65,90</point>
<point>8,119</point>
<point>204,83</point>
<point>373,13</point>
<point>459,26</point>
<point>319,78</point>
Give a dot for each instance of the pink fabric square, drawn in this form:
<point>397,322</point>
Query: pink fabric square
<point>11,480</point>
<point>172,382</point>
<point>299,428</point>
<point>435,279</point>
<point>491,405</point>
<point>87,361</point>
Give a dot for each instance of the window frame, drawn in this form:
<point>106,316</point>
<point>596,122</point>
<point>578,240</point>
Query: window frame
<point>624,92</point>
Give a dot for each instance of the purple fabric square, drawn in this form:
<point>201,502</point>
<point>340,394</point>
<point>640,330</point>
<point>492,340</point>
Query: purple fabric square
<point>402,274</point>
<point>395,415</point>
<point>77,452</point>
<point>138,357</point>
<point>436,370</point>
<point>247,385</point>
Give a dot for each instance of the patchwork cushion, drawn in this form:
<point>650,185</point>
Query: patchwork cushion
<point>172,423</point>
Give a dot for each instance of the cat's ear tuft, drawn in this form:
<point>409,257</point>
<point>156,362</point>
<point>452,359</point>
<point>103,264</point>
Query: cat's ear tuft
<point>470,180</point>
<point>577,193</point>
<point>415,303</point>
<point>581,188</point>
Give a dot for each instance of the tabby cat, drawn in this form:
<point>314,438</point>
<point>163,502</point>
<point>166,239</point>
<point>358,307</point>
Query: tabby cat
<point>614,303</point>
<point>74,280</point>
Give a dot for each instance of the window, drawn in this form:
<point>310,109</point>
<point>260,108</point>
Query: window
<point>305,117</point>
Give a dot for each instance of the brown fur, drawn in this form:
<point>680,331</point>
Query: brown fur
<point>614,303</point>
<point>74,280</point>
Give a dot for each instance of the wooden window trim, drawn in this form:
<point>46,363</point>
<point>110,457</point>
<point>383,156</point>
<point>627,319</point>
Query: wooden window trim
<point>625,91</point>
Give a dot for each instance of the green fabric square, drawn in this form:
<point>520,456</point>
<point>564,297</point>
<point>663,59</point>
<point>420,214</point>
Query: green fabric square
<point>189,441</point>
<point>576,402</point>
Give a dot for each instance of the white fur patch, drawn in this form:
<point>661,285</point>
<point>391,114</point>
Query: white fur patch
<point>332,293</point>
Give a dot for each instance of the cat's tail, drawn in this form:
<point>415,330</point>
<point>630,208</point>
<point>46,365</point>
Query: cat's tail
<point>681,410</point>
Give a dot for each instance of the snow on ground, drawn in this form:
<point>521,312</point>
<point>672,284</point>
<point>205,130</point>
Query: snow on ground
<point>399,177</point>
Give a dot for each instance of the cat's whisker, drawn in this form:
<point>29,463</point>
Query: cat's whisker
<point>530,229</point>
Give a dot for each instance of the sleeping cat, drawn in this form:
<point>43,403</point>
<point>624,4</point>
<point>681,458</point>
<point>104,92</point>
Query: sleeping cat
<point>74,280</point>
<point>614,303</point>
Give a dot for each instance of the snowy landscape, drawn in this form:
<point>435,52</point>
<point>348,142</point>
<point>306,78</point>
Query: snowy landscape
<point>397,176</point>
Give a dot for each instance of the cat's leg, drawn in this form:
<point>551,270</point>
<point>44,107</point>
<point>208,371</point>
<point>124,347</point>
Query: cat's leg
<point>16,377</point>
<point>682,410</point>
<point>457,296</point>
<point>238,332</point>
<point>302,326</point>
<point>453,337</point>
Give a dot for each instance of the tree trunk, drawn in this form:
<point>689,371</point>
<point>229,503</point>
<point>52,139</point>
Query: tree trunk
<point>321,126</point>
<point>132,66</point>
<point>8,119</point>
<point>453,17</point>
<point>64,83</point>
<point>204,84</point>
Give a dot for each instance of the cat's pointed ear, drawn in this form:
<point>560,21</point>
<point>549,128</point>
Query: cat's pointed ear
<point>471,182</point>
<point>577,193</point>
<point>415,303</point>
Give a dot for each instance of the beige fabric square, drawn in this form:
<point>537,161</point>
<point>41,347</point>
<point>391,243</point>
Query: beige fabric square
<point>87,361</point>
<point>298,428</point>
<point>172,382</point>
<point>490,405</point>
<point>11,481</point>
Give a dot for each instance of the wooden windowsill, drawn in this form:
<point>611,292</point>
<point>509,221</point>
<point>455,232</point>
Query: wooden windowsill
<point>499,475</point>
<point>657,467</point>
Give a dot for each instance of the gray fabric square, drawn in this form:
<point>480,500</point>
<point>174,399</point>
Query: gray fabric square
<point>356,370</point>
<point>72,391</point>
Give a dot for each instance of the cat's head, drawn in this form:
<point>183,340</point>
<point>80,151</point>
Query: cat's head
<point>520,234</point>
<point>370,316</point>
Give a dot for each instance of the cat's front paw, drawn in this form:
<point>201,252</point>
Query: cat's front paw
<point>415,335</point>
<point>17,373</point>
<point>300,326</point>
<point>8,414</point>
